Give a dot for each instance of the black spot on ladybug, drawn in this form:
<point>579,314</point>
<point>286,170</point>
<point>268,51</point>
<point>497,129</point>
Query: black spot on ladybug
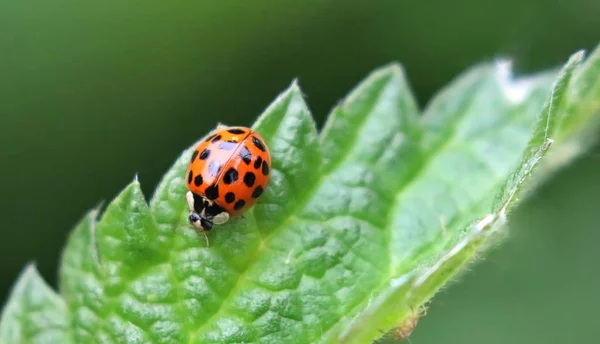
<point>190,177</point>
<point>249,179</point>
<point>230,176</point>
<point>216,138</point>
<point>205,153</point>
<point>198,180</point>
<point>258,143</point>
<point>227,145</point>
<point>212,192</point>
<point>245,155</point>
<point>239,204</point>
<point>229,197</point>
<point>236,131</point>
<point>257,192</point>
<point>214,167</point>
<point>210,137</point>
<point>194,155</point>
<point>257,162</point>
<point>265,168</point>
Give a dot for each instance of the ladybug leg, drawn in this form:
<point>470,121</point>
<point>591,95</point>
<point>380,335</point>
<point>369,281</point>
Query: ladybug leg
<point>189,197</point>
<point>193,217</point>
<point>205,233</point>
<point>215,214</point>
<point>206,237</point>
<point>221,218</point>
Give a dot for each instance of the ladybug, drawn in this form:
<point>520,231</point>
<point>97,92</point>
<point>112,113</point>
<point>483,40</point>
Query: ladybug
<point>228,172</point>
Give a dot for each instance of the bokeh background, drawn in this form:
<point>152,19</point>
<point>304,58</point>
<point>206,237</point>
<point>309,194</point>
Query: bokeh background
<point>93,93</point>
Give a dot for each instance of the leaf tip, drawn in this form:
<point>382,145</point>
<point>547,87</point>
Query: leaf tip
<point>30,269</point>
<point>577,57</point>
<point>95,211</point>
<point>26,276</point>
<point>295,83</point>
<point>295,88</point>
<point>291,100</point>
<point>391,73</point>
<point>392,69</point>
<point>136,180</point>
<point>574,60</point>
<point>134,184</point>
<point>292,90</point>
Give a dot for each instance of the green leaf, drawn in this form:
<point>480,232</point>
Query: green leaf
<point>34,313</point>
<point>360,226</point>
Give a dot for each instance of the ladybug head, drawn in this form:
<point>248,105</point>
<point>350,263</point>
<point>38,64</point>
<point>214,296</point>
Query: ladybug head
<point>204,213</point>
<point>200,222</point>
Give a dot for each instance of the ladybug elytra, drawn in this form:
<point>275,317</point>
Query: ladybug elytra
<point>228,172</point>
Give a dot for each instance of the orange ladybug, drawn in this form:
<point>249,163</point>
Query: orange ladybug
<point>228,172</point>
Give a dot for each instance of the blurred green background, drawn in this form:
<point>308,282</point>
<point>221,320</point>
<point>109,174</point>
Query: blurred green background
<point>93,93</point>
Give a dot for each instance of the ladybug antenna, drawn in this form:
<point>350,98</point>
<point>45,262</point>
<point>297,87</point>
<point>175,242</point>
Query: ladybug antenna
<point>206,237</point>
